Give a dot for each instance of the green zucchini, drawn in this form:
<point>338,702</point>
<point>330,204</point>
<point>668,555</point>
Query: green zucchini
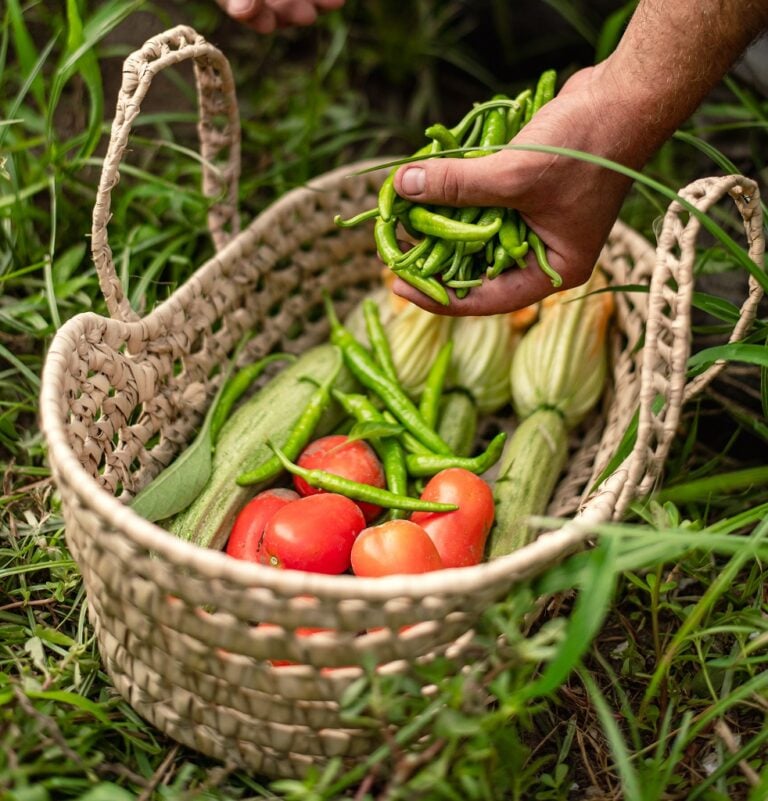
<point>458,421</point>
<point>531,464</point>
<point>270,414</point>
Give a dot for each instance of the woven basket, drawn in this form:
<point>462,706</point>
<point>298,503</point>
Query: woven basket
<point>122,396</point>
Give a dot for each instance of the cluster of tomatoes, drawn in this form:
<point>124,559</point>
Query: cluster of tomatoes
<point>324,532</point>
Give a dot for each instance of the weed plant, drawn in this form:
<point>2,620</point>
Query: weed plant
<point>635,670</point>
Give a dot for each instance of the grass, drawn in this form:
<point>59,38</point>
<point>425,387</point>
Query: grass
<point>642,674</point>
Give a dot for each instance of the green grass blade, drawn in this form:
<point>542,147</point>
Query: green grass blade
<point>597,587</point>
<point>27,85</point>
<point>630,781</point>
<point>26,52</point>
<point>735,352</point>
<point>31,376</point>
<point>102,22</point>
<point>73,699</point>
<point>80,57</point>
<point>696,615</point>
<point>50,291</point>
<point>703,488</point>
<point>720,308</point>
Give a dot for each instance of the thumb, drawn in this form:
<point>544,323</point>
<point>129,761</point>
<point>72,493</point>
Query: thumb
<point>486,181</point>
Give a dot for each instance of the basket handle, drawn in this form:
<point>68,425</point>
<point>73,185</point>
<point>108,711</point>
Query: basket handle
<point>218,130</point>
<point>667,332</point>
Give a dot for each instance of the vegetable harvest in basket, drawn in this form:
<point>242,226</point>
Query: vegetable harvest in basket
<point>362,453</point>
<point>463,246</point>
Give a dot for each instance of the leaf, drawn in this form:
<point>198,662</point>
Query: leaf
<point>183,480</point>
<point>612,30</point>
<point>107,791</point>
<point>72,699</point>
<point>54,636</point>
<point>598,581</point>
<point>373,429</point>
<point>627,442</point>
<point>34,647</point>
<point>717,307</point>
<point>735,352</point>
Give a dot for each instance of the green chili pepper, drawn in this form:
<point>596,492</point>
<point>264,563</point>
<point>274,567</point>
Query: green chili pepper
<point>509,234</point>
<point>540,252</point>
<point>427,286</point>
<point>458,258</point>
<point>299,436</point>
<point>442,136</point>
<point>366,371</point>
<point>493,135</point>
<point>491,215</point>
<point>460,129</point>
<point>501,261</point>
<point>385,236</point>
<point>389,449</point>
<point>410,443</point>
<point>359,492</point>
<point>410,257</point>
<point>434,224</point>
<point>527,110</point>
<point>515,115</point>
<point>377,336</point>
<point>429,402</point>
<point>464,283</point>
<point>419,464</point>
<point>438,256</point>
<point>473,136</point>
<point>364,216</point>
<point>237,385</point>
<point>545,90</point>
<point>387,196</point>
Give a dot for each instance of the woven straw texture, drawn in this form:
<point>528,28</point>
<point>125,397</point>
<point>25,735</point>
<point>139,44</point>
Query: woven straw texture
<point>122,396</point>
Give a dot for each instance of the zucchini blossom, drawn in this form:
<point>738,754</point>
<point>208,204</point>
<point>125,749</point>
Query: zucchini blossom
<point>562,361</point>
<point>482,357</point>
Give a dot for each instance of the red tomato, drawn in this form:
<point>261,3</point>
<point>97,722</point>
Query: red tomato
<point>353,459</point>
<point>314,534</point>
<point>245,539</point>
<point>459,535</point>
<point>397,546</point>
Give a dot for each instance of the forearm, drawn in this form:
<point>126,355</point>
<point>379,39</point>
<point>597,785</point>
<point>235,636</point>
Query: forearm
<point>671,55</point>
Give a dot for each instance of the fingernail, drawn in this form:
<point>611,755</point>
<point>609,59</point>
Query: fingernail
<point>239,6</point>
<point>414,181</point>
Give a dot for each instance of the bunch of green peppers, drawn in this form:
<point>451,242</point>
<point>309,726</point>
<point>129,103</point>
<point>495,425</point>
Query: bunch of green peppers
<point>461,247</point>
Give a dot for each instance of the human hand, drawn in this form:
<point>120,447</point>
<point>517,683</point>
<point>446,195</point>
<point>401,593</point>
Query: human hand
<point>264,16</point>
<point>571,204</point>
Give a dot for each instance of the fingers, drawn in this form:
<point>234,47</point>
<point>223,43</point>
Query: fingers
<point>242,10</point>
<point>264,16</point>
<point>293,12</point>
<point>512,290</point>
